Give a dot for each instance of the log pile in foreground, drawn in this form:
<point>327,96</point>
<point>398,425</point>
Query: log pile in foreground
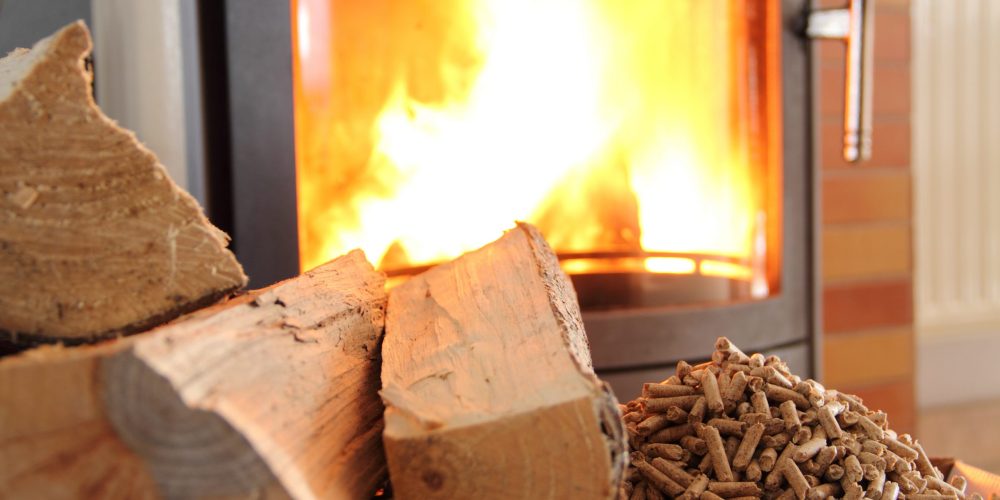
<point>273,394</point>
<point>96,239</point>
<point>745,426</point>
<point>488,382</point>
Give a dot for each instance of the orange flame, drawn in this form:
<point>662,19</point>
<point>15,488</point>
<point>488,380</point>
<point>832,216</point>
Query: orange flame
<point>425,128</point>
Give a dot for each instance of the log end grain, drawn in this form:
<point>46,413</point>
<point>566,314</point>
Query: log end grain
<point>486,367</point>
<point>272,394</point>
<point>97,240</point>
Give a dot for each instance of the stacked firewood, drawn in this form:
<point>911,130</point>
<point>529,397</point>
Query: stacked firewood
<point>745,426</point>
<point>199,390</point>
<point>213,393</point>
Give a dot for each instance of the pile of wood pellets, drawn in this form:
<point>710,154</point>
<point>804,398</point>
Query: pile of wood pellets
<point>742,426</point>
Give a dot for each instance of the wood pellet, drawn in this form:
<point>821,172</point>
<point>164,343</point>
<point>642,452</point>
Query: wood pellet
<point>742,426</point>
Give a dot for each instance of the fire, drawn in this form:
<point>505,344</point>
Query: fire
<point>621,129</point>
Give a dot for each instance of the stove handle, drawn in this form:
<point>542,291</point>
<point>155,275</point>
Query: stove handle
<point>855,26</point>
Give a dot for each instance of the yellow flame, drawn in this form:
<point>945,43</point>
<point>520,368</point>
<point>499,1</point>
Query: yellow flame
<point>425,128</point>
<point>671,265</point>
<point>725,269</point>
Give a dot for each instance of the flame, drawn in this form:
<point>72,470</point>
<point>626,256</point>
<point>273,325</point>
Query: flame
<point>630,129</point>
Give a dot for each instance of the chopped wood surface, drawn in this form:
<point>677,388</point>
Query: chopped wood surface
<point>488,382</point>
<point>95,239</point>
<point>273,394</point>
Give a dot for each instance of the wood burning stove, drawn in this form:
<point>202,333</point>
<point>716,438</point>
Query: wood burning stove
<point>646,304</point>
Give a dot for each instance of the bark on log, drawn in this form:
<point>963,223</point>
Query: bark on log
<point>488,382</point>
<point>95,239</point>
<point>271,394</point>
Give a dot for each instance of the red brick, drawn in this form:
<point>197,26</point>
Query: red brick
<point>868,358</point>
<point>892,34</point>
<point>866,251</point>
<point>865,196</point>
<point>869,351</point>
<point>831,53</point>
<point>836,4</point>
<point>903,5</point>
<point>867,305</point>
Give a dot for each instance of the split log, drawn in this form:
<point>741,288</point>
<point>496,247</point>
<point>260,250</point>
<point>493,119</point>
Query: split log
<point>488,382</point>
<point>95,239</point>
<point>275,392</point>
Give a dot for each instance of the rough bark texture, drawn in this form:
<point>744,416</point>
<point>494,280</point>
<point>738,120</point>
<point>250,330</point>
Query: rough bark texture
<point>95,239</point>
<point>488,382</point>
<point>272,394</point>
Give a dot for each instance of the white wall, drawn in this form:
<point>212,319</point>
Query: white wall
<point>956,158</point>
<point>146,76</point>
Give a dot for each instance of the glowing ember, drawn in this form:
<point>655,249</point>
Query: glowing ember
<point>627,131</point>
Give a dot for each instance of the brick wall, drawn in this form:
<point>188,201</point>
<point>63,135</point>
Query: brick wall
<point>867,278</point>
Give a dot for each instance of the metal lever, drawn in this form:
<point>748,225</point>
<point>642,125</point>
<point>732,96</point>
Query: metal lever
<point>854,25</point>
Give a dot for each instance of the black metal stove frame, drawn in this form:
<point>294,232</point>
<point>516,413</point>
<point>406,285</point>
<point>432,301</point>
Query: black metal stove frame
<point>252,196</point>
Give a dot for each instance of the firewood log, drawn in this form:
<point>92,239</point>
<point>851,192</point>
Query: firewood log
<point>95,239</point>
<point>272,393</point>
<point>488,382</point>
